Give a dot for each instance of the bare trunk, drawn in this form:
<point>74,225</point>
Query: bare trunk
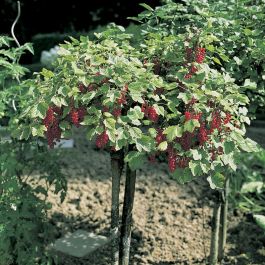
<point>223,221</point>
<point>215,231</point>
<point>127,216</point>
<point>116,168</point>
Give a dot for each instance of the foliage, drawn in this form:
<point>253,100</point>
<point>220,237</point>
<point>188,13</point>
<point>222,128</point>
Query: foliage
<point>24,229</point>
<point>161,98</point>
<point>248,185</point>
<point>237,30</point>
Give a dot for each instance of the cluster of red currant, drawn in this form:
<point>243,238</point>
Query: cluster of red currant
<point>54,117</point>
<point>150,112</point>
<point>197,55</point>
<point>51,122</point>
<point>193,139</point>
<point>102,140</point>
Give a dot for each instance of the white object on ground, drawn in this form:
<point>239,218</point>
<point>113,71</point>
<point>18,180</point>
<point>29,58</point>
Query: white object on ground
<point>63,143</point>
<point>80,243</point>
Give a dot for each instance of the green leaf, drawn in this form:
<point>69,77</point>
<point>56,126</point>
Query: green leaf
<point>47,73</point>
<point>42,109</point>
<point>135,113</point>
<point>135,159</point>
<point>216,60</point>
<point>253,186</point>
<point>29,47</point>
<point>58,101</point>
<point>159,109</point>
<point>135,132</point>
<point>260,220</point>
<point>195,168</point>
<point>172,132</point>
<point>205,167</point>
<point>152,132</point>
<point>216,181</point>
<point>89,120</point>
<point>77,70</point>
<point>191,125</point>
<point>145,143</point>
<point>146,6</point>
<point>249,145</point>
<point>249,84</point>
<point>185,97</point>
<point>110,123</point>
<point>182,175</point>
<point>228,159</point>
<point>229,147</point>
<point>210,48</point>
<point>38,130</point>
<point>162,146</point>
<point>237,60</point>
<point>89,96</point>
<point>195,154</point>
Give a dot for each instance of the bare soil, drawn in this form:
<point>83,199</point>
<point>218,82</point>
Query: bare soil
<point>172,222</point>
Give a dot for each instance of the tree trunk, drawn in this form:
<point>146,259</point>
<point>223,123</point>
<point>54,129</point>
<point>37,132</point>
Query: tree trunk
<point>127,216</point>
<point>215,230</point>
<point>116,168</point>
<point>223,220</point>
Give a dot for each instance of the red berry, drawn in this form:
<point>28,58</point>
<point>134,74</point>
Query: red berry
<point>193,69</point>
<point>122,99</point>
<point>188,116</point>
<point>74,115</point>
<point>160,137</point>
<point>49,118</point>
<point>227,118</point>
<point>53,133</point>
<point>186,140</point>
<point>82,88</point>
<point>152,114</point>
<point>200,55</point>
<point>216,121</point>
<point>172,163</point>
<point>188,76</point>
<point>91,87</point>
<point>183,162</point>
<point>116,112</point>
<point>202,136</point>
<point>81,113</point>
<point>105,109</point>
<point>102,140</point>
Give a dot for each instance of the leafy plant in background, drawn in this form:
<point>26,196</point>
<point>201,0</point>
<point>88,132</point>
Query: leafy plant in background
<point>237,31</point>
<point>24,227</point>
<point>248,187</point>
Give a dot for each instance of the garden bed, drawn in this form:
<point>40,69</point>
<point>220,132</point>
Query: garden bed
<point>171,221</point>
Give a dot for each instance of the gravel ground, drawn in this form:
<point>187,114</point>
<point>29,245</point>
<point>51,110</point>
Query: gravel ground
<point>171,221</point>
